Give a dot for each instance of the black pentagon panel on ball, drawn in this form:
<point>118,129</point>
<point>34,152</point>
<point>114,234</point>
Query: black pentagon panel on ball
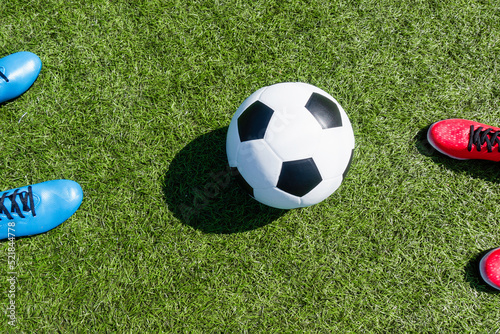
<point>299,177</point>
<point>252,123</point>
<point>325,111</point>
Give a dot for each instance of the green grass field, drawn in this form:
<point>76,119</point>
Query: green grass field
<point>133,102</point>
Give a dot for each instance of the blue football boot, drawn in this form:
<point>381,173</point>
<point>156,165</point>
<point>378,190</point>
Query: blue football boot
<point>38,208</point>
<point>18,71</point>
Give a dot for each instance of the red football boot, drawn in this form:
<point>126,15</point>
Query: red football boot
<point>489,267</point>
<point>462,139</point>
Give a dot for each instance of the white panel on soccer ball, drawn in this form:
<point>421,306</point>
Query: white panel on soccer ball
<point>334,151</point>
<point>276,198</point>
<point>321,192</point>
<point>293,133</point>
<point>258,164</point>
<point>288,94</point>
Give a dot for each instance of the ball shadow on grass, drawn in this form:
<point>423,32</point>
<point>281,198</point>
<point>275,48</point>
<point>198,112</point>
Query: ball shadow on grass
<point>203,192</point>
<point>487,170</point>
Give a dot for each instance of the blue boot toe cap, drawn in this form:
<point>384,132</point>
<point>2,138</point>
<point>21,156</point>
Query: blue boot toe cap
<point>38,208</point>
<point>18,71</point>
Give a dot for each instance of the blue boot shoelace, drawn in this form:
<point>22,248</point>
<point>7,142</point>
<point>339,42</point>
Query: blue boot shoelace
<point>3,76</point>
<point>26,200</point>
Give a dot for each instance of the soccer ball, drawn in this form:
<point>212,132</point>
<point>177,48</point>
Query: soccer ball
<point>291,144</point>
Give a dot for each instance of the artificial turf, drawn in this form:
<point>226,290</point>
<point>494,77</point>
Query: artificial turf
<point>133,103</point>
